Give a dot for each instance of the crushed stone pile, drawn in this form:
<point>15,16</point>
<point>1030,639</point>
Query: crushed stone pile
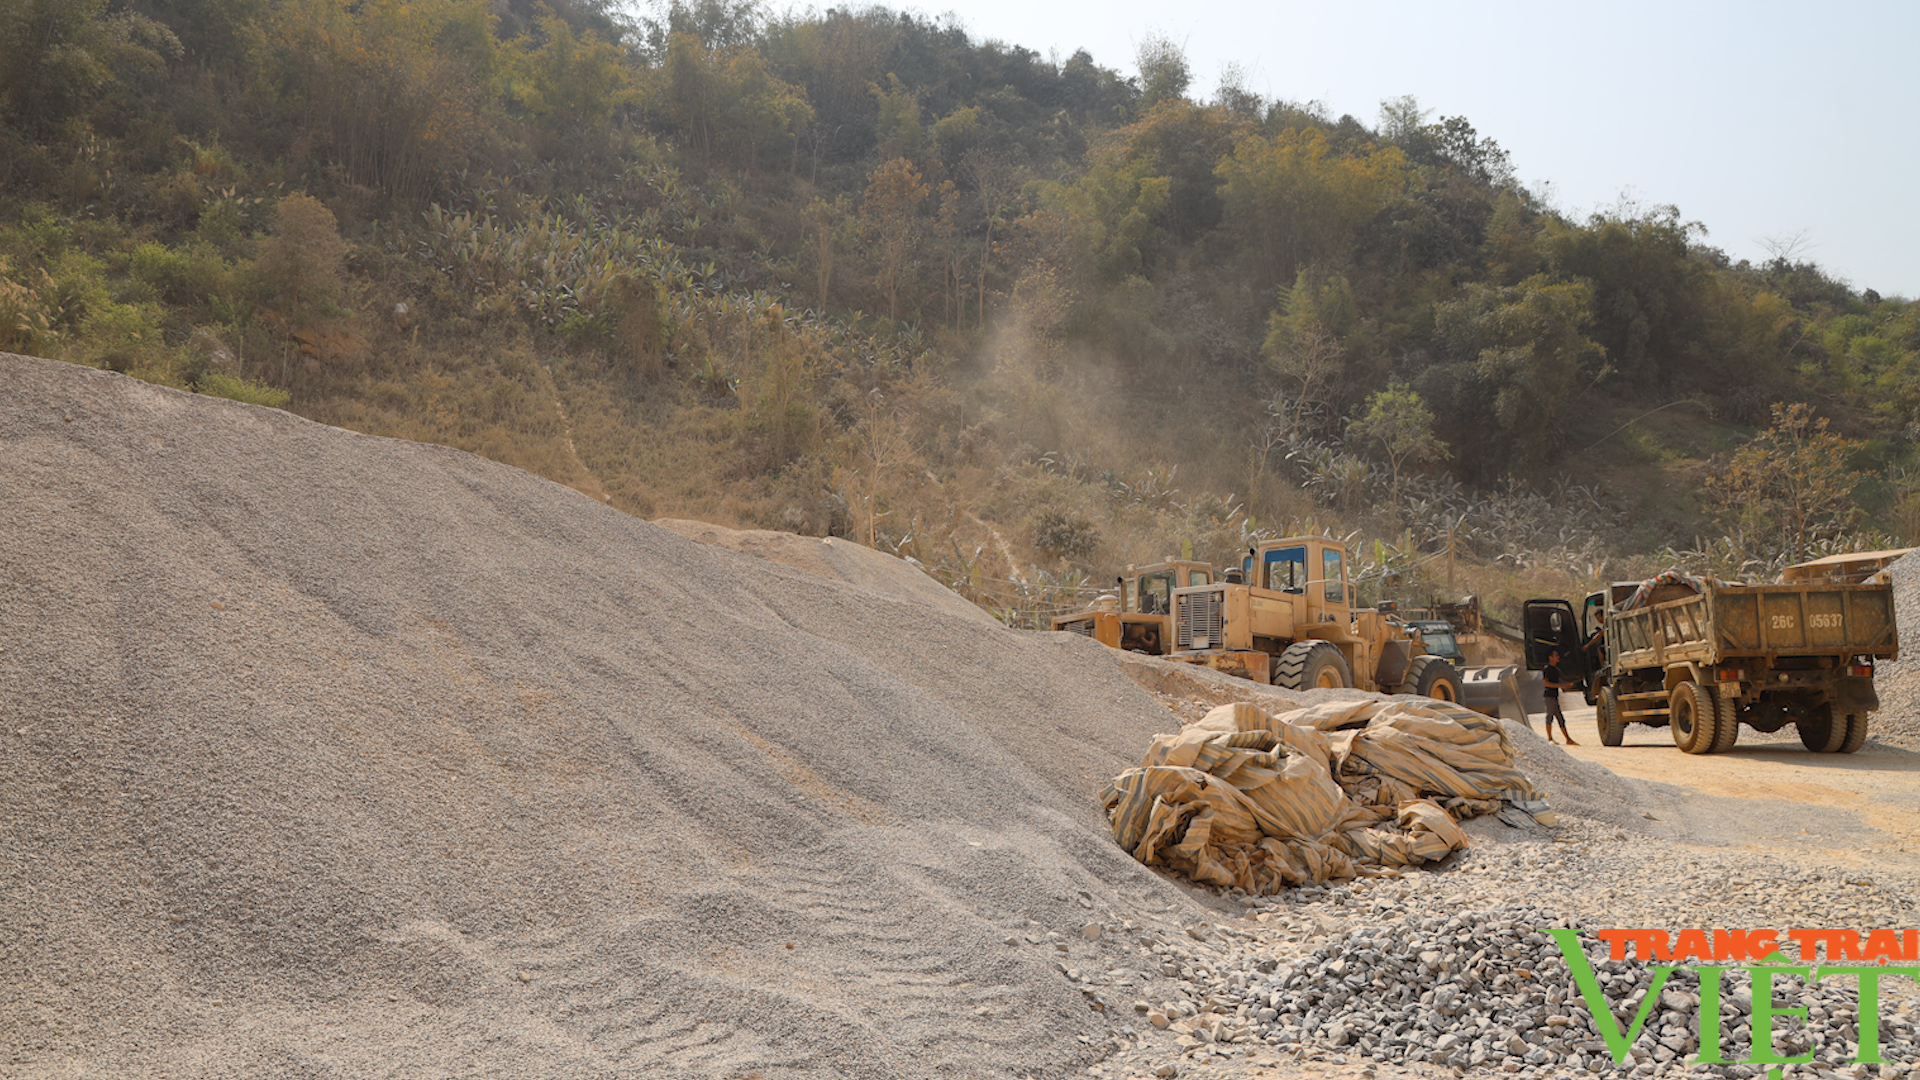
<point>1898,681</point>
<point>1595,875</point>
<point>1483,990</point>
<point>327,754</point>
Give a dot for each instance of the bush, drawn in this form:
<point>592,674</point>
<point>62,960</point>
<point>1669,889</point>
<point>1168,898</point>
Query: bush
<point>128,337</point>
<point>301,264</point>
<point>185,277</point>
<point>24,325</point>
<point>1065,536</point>
<point>220,384</point>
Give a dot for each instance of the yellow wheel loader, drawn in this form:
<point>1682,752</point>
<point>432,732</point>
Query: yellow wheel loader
<point>1291,621</point>
<point>1137,616</point>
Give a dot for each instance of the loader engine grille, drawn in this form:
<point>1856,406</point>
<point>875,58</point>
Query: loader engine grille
<point>1083,627</point>
<point>1197,620</point>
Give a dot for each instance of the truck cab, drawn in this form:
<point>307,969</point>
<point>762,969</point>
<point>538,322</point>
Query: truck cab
<point>1551,625</point>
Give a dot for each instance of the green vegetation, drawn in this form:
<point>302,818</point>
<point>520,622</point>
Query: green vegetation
<point>855,272</point>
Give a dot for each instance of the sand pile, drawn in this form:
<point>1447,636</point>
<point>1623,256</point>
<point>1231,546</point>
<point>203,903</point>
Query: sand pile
<point>329,754</point>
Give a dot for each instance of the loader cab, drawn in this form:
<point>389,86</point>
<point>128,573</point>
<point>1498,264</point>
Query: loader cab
<point>1311,568</point>
<point>1436,635</point>
<point>1149,589</point>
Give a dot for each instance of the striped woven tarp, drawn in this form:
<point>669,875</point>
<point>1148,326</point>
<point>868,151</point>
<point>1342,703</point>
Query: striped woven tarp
<point>1260,802</point>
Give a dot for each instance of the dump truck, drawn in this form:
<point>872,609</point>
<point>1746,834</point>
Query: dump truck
<point>1704,657</point>
<point>1291,621</point>
<point>1136,616</point>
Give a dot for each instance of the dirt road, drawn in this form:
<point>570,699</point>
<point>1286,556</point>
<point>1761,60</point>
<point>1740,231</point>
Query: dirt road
<point>1877,788</point>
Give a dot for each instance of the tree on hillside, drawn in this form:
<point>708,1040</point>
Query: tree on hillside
<point>1792,478</point>
<point>827,224</point>
<point>1398,421</point>
<point>1524,352</point>
<point>575,80</point>
<point>890,219</point>
<point>1304,349</point>
<point>1291,200</point>
<point>898,132</point>
<point>1184,142</point>
<point>1647,286</point>
<point>995,183</point>
<point>394,93</point>
<point>1164,73</point>
<point>57,57</point>
<point>726,100</point>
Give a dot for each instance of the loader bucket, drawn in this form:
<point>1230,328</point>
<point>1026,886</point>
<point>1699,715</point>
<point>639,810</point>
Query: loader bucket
<point>1504,690</point>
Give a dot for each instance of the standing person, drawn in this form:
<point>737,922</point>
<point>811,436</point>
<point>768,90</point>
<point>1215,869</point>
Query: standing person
<point>1554,684</point>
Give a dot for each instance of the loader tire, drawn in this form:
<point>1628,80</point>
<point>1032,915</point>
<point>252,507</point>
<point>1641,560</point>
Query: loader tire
<point>1693,717</point>
<point>1825,733</point>
<point>1311,665</point>
<point>1726,729</point>
<point>1434,677</point>
<point>1606,716</point>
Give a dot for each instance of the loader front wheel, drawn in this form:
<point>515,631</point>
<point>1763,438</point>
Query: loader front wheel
<point>1434,677</point>
<point>1311,665</point>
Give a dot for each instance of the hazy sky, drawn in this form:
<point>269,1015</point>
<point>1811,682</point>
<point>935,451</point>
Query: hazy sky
<point>1759,120</point>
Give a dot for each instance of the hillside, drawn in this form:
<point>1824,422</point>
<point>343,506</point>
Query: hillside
<point>857,273</point>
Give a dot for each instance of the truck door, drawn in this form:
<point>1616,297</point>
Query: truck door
<point>1550,625</point>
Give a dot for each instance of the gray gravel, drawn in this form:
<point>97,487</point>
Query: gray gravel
<point>1444,969</point>
<point>1898,682</point>
<point>335,755</point>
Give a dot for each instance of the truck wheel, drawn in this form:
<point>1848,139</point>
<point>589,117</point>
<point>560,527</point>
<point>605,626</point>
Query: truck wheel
<point>1856,733</point>
<point>1726,729</point>
<point>1432,676</point>
<point>1691,713</point>
<point>1311,665</point>
<point>1823,732</point>
<point>1606,715</point>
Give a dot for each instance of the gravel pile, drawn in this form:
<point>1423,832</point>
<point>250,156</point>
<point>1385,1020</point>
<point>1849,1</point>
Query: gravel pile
<point>1898,682</point>
<point>329,755</point>
<point>1276,988</point>
<point>1487,990</point>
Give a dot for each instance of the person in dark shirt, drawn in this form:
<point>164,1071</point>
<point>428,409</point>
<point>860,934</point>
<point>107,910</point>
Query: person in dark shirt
<point>1555,683</point>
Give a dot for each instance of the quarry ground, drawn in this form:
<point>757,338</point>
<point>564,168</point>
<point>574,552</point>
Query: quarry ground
<point>1878,788</point>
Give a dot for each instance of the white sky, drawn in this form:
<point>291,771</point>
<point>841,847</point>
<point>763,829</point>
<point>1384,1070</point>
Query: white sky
<point>1759,120</point>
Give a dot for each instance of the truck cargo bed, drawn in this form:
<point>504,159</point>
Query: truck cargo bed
<point>1756,620</point>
